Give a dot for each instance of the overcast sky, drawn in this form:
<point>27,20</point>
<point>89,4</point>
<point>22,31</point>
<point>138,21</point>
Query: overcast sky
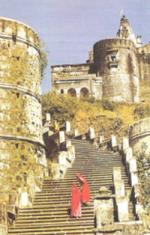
<point>69,28</point>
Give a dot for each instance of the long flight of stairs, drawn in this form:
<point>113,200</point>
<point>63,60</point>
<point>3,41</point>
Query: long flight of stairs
<point>50,211</point>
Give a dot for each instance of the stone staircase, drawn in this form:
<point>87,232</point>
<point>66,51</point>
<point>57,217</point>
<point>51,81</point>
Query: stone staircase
<point>50,211</point>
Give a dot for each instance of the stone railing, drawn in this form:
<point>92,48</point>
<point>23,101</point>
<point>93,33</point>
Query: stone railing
<point>112,210</point>
<point>140,135</point>
<point>131,166</point>
<point>64,154</point>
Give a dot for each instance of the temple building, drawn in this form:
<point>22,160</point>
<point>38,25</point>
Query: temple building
<point>113,70</point>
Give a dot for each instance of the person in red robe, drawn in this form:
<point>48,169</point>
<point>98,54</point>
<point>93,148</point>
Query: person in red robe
<point>85,192</point>
<point>75,201</point>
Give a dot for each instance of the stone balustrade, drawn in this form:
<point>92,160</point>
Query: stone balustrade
<point>140,136</point>
<point>121,198</point>
<point>131,166</point>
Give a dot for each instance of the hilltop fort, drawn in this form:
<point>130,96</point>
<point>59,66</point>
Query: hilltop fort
<point>113,71</point>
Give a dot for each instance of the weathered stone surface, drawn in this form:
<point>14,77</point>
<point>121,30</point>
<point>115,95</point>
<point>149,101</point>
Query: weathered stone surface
<point>122,208</point>
<point>125,143</point>
<point>101,139</point>
<point>119,188</point>
<point>129,154</point>
<point>140,137</point>
<point>113,141</point>
<point>117,174</point>
<point>134,178</point>
<point>91,133</point>
<point>48,117</point>
<point>24,198</point>
<point>68,126</point>
<point>61,137</point>
<point>76,132</point>
<point>103,212</point>
<point>21,114</point>
<point>133,165</point>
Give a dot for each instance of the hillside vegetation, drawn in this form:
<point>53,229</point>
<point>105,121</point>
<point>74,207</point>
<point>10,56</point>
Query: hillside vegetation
<point>106,117</point>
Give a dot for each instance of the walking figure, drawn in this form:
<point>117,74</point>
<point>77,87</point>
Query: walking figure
<point>75,201</point>
<point>85,192</point>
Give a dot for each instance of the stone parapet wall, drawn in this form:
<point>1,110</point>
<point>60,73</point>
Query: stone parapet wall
<point>114,42</point>
<point>140,135</point>
<point>76,71</point>
<point>22,32</point>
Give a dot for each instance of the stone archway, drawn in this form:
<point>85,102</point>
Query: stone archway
<point>84,92</point>
<point>72,92</point>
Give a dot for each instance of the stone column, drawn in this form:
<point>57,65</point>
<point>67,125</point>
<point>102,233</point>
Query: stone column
<point>68,143</point>
<point>122,207</point>
<point>129,154</point>
<point>91,133</point>
<point>133,165</point>
<point>101,139</point>
<point>76,133</point>
<point>104,208</point>
<point>121,199</point>
<point>125,143</point>
<point>68,127</point>
<point>134,178</point>
<point>24,198</point>
<point>48,117</point>
<point>61,137</point>
<point>113,142</point>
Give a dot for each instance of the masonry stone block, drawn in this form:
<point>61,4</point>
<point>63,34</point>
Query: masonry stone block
<point>68,126</point>
<point>91,133</point>
<point>119,188</point>
<point>133,165</point>
<point>104,211</point>
<point>125,143</point>
<point>134,178</point>
<point>71,153</point>
<point>129,154</point>
<point>101,139</point>
<point>48,117</point>
<point>122,209</point>
<point>24,199</point>
<point>68,143</point>
<point>76,133</point>
<point>61,137</point>
<point>117,174</point>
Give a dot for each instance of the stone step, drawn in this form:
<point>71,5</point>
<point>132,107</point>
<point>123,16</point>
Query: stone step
<point>49,214</point>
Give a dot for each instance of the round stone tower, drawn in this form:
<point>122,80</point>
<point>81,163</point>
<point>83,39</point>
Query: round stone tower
<point>116,62</point>
<point>20,104</point>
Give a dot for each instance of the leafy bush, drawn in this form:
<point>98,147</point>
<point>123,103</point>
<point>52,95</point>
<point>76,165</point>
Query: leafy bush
<point>108,105</point>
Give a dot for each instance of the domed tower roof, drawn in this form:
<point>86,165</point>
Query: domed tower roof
<point>125,30</point>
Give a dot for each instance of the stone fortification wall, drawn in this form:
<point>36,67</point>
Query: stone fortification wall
<point>77,78</point>
<point>140,136</point>
<point>20,76</point>
<point>63,72</point>
<point>116,61</point>
<point>144,62</point>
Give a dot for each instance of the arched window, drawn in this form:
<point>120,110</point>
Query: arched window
<point>62,91</point>
<point>84,92</point>
<point>72,92</point>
